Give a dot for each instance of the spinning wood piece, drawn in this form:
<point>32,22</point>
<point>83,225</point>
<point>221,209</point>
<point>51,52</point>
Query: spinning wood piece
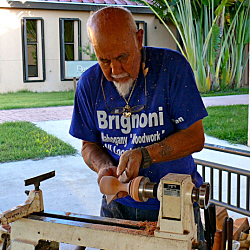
<point>134,188</point>
<point>110,185</point>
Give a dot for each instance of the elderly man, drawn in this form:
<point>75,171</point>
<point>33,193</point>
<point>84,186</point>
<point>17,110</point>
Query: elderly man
<point>137,111</point>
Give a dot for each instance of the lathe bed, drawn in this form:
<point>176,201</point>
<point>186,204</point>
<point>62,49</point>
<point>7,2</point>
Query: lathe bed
<point>85,230</point>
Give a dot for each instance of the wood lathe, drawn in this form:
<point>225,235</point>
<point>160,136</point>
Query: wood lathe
<point>176,228</point>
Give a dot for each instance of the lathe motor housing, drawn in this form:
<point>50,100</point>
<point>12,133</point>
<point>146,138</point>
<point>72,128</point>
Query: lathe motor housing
<point>176,216</point>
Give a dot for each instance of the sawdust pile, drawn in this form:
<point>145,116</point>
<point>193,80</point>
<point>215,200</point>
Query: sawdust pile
<point>149,226</point>
<point>144,228</point>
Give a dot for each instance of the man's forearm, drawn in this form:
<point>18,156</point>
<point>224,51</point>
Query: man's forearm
<point>175,146</point>
<point>95,156</point>
<point>178,145</point>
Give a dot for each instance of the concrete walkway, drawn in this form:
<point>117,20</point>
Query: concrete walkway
<point>225,100</point>
<point>36,114</point>
<point>74,188</point>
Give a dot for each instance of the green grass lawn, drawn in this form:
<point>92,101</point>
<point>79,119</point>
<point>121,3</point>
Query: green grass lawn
<point>26,99</point>
<point>228,123</point>
<point>23,140</point>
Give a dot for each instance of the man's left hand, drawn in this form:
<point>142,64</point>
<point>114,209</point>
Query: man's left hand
<point>130,162</point>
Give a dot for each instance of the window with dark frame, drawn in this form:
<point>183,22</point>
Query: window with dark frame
<point>70,42</point>
<point>31,26</point>
<point>33,49</point>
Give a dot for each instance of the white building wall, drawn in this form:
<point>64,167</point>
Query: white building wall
<point>11,62</point>
<point>157,34</point>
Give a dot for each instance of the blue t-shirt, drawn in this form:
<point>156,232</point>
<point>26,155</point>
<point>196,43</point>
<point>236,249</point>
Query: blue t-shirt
<point>172,103</point>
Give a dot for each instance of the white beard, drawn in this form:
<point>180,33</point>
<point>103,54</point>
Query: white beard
<point>124,88</point>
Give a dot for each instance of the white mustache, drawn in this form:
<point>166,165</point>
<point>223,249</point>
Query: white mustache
<point>119,76</point>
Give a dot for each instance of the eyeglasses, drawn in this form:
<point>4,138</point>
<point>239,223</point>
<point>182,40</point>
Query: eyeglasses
<point>127,110</point>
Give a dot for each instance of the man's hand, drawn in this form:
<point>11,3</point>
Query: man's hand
<point>107,171</point>
<point>110,171</point>
<point>129,165</point>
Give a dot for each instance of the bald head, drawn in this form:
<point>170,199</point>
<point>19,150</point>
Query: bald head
<point>111,20</point>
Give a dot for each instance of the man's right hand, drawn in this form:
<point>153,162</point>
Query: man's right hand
<point>110,171</point>
<point>107,171</point>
